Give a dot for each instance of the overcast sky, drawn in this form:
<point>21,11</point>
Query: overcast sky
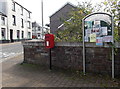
<point>50,7</point>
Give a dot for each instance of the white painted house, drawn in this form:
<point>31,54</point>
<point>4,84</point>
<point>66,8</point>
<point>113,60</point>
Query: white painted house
<point>19,24</point>
<point>36,30</point>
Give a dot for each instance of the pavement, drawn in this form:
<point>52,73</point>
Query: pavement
<point>2,44</point>
<point>15,74</point>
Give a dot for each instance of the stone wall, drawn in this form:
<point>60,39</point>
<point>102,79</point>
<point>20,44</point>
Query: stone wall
<point>69,56</point>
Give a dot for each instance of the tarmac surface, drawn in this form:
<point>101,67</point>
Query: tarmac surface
<point>15,74</point>
<point>10,50</point>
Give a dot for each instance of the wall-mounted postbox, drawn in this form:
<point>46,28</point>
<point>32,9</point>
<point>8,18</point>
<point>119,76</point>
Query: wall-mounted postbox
<point>49,40</point>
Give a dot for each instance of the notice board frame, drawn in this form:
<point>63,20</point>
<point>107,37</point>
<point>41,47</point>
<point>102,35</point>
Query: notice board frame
<point>112,28</point>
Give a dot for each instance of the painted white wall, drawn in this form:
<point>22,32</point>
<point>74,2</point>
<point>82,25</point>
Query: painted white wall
<point>17,14</point>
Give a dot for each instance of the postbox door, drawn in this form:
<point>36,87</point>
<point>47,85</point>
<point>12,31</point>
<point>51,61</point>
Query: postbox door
<point>49,40</point>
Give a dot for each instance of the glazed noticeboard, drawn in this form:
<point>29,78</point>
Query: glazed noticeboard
<point>99,24</point>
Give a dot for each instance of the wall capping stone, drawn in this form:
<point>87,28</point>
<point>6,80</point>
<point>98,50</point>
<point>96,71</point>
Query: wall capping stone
<point>74,44</point>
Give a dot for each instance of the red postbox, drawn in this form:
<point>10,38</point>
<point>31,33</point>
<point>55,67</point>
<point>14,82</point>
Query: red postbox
<point>49,40</point>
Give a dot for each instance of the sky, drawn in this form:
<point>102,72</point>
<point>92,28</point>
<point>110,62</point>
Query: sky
<point>49,7</point>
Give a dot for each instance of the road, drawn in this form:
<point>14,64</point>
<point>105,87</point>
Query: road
<point>10,50</point>
<point>7,51</point>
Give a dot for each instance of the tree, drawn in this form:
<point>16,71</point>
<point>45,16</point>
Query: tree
<point>112,7</point>
<point>73,26</point>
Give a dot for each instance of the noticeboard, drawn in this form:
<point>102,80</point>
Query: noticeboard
<point>98,26</point>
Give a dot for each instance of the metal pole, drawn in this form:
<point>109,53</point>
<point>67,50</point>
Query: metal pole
<point>83,47</point>
<point>35,29</point>
<point>42,16</point>
<point>50,59</point>
<point>8,31</point>
<point>113,71</point>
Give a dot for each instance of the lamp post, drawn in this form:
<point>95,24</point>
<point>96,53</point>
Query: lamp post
<point>42,16</point>
<point>119,18</point>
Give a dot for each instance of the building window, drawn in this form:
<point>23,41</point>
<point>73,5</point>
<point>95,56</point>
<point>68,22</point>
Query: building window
<point>18,34</point>
<point>29,35</point>
<point>28,14</point>
<point>3,33</point>
<point>14,19</point>
<point>38,34</point>
<point>39,28</point>
<point>3,21</point>
<point>22,34</point>
<point>21,10</point>
<point>28,25</point>
<point>22,23</point>
<point>13,6</point>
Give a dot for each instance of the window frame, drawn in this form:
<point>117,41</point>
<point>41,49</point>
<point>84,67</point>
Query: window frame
<point>14,20</point>
<point>3,20</point>
<point>28,15</point>
<point>18,34</point>
<point>29,35</point>
<point>22,23</point>
<point>3,33</point>
<point>22,34</point>
<point>28,24</point>
<point>13,6</point>
<point>21,10</point>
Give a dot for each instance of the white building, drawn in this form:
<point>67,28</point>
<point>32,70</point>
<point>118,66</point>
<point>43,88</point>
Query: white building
<point>37,31</point>
<point>19,24</point>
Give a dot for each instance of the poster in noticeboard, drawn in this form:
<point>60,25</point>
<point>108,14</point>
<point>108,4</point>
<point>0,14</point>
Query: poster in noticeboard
<point>88,32</point>
<point>88,24</point>
<point>86,39</point>
<point>107,39</point>
<point>98,29</point>
<point>93,37</point>
<point>104,31</point>
<point>99,41</point>
<point>96,24</point>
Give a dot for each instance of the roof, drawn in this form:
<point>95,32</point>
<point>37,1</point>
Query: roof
<point>3,14</point>
<point>21,6</point>
<point>63,23</point>
<point>34,24</point>
<point>68,3</point>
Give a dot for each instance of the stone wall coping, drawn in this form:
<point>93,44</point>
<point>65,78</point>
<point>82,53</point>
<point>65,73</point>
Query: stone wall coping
<point>73,44</point>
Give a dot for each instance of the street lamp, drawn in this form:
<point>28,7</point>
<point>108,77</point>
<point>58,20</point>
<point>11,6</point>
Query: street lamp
<point>42,16</point>
<point>119,18</point>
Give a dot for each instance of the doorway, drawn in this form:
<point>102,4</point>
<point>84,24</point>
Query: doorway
<point>11,35</point>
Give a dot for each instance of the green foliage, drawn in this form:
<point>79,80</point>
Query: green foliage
<point>112,7</point>
<point>73,26</point>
